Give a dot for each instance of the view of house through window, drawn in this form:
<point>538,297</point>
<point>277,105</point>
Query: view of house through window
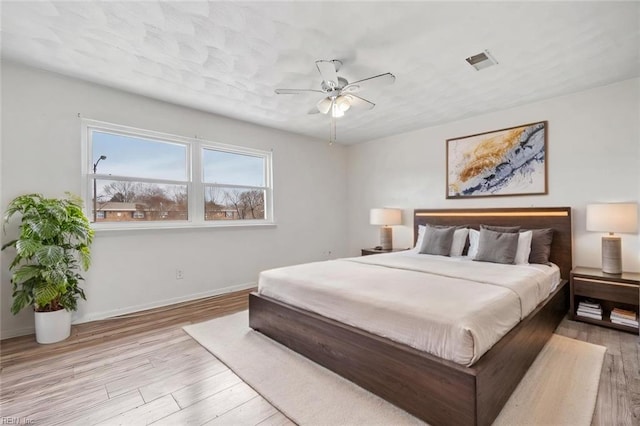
<point>119,201</point>
<point>135,178</point>
<point>234,185</point>
<point>139,179</point>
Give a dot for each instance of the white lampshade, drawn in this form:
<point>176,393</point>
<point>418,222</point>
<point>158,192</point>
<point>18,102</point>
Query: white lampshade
<point>385,217</point>
<point>615,217</point>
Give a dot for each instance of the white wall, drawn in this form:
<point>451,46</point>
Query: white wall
<point>593,156</point>
<point>134,270</point>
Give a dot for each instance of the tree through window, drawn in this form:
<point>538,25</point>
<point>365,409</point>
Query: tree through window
<point>234,185</point>
<point>139,179</point>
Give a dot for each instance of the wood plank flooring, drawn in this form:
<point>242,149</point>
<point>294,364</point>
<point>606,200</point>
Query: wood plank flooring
<point>143,369</point>
<point>619,391</point>
<point>132,370</point>
<point>87,335</point>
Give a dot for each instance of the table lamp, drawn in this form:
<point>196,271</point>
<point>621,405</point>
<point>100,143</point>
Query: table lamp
<point>386,218</point>
<point>614,217</point>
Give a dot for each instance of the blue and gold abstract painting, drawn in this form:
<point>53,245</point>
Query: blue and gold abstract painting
<point>503,162</point>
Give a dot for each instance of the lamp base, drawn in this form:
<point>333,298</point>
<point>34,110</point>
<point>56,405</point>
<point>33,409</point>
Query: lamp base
<point>386,238</point>
<point>611,255</point>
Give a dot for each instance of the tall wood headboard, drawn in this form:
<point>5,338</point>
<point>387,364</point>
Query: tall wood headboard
<point>558,218</point>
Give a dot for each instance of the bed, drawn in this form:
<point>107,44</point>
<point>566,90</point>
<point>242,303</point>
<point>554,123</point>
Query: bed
<point>437,390</point>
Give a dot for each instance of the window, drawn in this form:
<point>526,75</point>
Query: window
<point>154,180</point>
<point>234,185</point>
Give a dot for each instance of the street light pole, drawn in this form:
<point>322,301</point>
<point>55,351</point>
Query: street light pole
<point>95,196</point>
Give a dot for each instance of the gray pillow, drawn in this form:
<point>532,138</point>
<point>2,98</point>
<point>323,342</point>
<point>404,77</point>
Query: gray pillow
<point>497,247</point>
<point>541,245</point>
<point>507,229</point>
<point>437,240</point>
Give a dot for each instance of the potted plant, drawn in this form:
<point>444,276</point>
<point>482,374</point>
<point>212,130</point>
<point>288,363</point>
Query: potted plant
<point>52,247</point>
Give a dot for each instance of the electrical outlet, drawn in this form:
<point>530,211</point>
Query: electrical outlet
<point>179,274</point>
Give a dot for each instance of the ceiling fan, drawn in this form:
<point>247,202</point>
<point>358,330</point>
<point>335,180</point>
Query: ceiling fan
<point>339,95</point>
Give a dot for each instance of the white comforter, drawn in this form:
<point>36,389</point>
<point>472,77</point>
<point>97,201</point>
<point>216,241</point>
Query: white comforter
<point>453,308</point>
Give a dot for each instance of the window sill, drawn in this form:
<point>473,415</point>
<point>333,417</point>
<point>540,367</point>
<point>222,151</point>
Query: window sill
<point>104,228</point>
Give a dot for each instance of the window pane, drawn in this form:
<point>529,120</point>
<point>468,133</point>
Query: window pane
<point>139,157</point>
<point>233,204</point>
<point>232,169</point>
<point>124,201</point>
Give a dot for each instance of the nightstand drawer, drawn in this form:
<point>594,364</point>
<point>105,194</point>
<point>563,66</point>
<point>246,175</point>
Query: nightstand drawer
<point>597,289</point>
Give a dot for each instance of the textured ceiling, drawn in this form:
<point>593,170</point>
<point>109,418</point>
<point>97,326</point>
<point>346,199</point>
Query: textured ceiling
<point>227,58</point>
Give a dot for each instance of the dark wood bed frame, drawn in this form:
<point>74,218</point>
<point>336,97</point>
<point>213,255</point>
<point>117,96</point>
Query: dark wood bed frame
<point>438,391</point>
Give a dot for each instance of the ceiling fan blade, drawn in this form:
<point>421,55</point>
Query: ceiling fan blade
<point>313,110</point>
<point>295,91</point>
<point>359,103</point>
<point>328,72</point>
<point>371,82</point>
<point>324,105</point>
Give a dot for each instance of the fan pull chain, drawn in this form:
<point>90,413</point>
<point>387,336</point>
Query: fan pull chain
<point>332,130</point>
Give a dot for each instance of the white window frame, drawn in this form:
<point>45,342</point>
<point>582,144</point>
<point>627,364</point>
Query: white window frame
<point>205,145</point>
<point>194,182</point>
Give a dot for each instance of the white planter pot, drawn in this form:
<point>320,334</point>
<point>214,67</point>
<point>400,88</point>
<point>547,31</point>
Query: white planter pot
<point>52,327</point>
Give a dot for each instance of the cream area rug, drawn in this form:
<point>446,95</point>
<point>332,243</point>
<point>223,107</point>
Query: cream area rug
<point>560,388</point>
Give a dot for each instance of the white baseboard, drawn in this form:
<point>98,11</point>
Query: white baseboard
<point>16,332</point>
<point>94,316</point>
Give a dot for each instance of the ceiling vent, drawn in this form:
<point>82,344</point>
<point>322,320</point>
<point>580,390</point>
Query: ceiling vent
<point>481,60</point>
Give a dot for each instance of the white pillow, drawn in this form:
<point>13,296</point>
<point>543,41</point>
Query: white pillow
<point>421,229</point>
<point>474,238</point>
<point>457,246</point>
<point>522,253</point>
<point>459,241</point>
<point>524,248</point>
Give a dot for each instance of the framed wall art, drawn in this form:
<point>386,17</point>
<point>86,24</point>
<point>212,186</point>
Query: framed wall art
<point>502,162</point>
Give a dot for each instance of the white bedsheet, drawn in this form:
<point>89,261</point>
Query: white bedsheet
<point>453,308</point>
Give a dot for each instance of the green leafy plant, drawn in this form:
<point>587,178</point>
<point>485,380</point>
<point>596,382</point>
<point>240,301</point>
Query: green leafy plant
<point>52,247</point>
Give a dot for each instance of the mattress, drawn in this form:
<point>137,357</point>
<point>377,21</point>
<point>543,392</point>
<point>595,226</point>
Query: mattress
<point>450,307</point>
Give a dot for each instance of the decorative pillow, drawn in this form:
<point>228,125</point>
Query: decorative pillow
<point>457,246</point>
<point>524,248</point>
<point>437,240</point>
<point>459,241</point>
<point>507,229</point>
<point>541,245</point>
<point>474,236</point>
<point>497,247</point>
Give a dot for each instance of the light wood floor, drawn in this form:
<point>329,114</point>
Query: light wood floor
<point>144,369</point>
<point>619,391</point>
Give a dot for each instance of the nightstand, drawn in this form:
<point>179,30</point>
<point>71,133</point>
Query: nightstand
<point>610,291</point>
<point>368,251</point>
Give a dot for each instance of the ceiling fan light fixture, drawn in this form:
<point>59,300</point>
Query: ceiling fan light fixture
<point>336,111</point>
<point>343,103</point>
<point>339,95</point>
